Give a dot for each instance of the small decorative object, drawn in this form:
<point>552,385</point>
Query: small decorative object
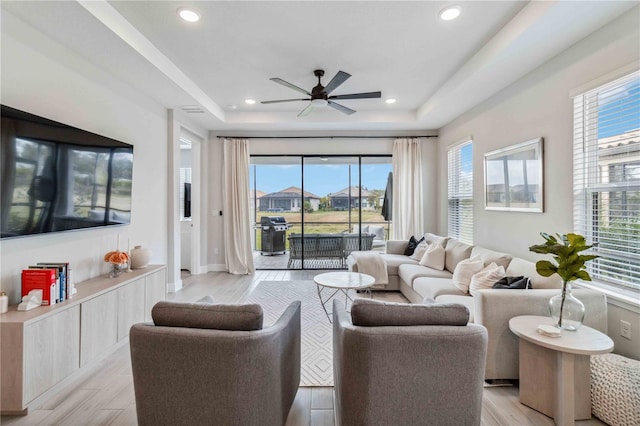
<point>140,257</point>
<point>31,300</point>
<point>118,260</point>
<point>4,302</point>
<point>567,311</point>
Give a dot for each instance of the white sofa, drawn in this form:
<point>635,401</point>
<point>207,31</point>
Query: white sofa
<point>492,308</point>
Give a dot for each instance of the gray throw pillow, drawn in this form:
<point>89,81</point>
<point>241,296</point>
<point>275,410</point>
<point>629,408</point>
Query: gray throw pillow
<point>370,313</point>
<point>205,315</point>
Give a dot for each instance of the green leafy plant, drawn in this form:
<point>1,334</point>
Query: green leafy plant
<point>566,252</point>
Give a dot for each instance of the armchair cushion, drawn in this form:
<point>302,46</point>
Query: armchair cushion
<point>372,313</point>
<point>208,316</point>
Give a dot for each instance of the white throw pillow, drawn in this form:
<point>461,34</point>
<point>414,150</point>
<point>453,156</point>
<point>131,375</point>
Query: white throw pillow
<point>486,278</point>
<point>433,257</point>
<point>364,228</point>
<point>465,269</point>
<point>419,251</point>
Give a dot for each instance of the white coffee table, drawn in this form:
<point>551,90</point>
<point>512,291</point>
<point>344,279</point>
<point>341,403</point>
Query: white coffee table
<point>341,282</point>
<point>555,372</point>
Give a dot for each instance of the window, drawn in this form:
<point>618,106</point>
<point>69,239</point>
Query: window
<point>607,178</point>
<point>460,191</point>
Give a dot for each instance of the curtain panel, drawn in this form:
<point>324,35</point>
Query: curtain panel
<point>407,210</point>
<point>237,218</point>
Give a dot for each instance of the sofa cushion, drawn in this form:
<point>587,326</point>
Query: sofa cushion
<point>419,251</point>
<point>357,228</point>
<point>433,238</point>
<point>462,300</point>
<point>205,315</point>
<point>409,272</point>
<point>488,256</point>
<point>464,271</point>
<point>519,266</point>
<point>433,287</point>
<point>377,231</point>
<point>486,278</point>
<point>371,313</point>
<point>455,252</point>
<point>433,257</point>
<point>395,260</point>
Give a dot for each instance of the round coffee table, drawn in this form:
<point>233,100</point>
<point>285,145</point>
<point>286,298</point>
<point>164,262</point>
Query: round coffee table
<point>341,282</point>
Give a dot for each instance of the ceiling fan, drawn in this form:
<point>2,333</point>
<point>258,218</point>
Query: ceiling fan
<point>319,95</point>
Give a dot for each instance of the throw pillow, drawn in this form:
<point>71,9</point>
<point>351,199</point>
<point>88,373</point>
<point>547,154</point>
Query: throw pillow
<point>411,245</point>
<point>419,251</point>
<point>204,315</point>
<point>520,282</point>
<point>466,269</point>
<point>486,278</point>
<point>371,313</point>
<point>433,257</point>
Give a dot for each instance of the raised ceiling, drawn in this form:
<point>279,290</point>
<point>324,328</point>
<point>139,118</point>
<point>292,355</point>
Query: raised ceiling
<point>435,69</point>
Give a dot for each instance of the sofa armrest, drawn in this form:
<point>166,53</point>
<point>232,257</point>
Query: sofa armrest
<point>396,246</point>
<point>493,308</point>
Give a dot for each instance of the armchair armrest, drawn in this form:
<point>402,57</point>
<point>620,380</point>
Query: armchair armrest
<point>396,246</point>
<point>493,308</point>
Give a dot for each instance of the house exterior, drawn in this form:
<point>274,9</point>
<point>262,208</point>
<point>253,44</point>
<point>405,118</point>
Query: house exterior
<point>352,197</point>
<point>288,200</point>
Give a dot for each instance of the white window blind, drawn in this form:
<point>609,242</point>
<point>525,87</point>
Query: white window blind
<point>606,178</point>
<point>460,191</point>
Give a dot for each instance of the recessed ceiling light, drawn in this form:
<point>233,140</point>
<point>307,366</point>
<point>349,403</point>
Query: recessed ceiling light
<point>249,101</point>
<point>188,15</point>
<point>390,101</point>
<point>449,13</point>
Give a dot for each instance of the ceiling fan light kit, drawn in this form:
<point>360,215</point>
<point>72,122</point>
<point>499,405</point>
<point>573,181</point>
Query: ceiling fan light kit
<point>320,95</point>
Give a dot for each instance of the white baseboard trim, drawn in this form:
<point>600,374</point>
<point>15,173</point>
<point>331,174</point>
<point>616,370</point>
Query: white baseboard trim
<point>217,267</point>
<point>173,287</point>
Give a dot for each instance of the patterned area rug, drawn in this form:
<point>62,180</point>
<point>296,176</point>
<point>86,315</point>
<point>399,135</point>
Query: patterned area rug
<point>317,342</point>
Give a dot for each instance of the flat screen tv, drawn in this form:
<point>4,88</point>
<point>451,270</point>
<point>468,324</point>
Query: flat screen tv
<point>54,177</point>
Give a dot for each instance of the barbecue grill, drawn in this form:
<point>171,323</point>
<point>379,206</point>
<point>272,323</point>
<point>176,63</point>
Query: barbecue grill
<point>273,235</point>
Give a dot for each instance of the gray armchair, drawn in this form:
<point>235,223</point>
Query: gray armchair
<point>186,372</point>
<point>407,374</point>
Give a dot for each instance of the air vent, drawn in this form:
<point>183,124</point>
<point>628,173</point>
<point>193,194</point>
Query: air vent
<point>192,109</point>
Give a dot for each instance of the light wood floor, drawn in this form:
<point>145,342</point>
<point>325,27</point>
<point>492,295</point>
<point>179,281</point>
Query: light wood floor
<point>104,396</point>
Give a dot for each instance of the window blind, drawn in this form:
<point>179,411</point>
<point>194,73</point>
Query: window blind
<point>460,191</point>
<point>606,179</point>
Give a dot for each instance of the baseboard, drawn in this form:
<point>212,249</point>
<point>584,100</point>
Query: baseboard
<point>217,267</point>
<point>173,287</point>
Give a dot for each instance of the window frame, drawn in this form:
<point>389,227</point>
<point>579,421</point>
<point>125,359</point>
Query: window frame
<point>459,197</point>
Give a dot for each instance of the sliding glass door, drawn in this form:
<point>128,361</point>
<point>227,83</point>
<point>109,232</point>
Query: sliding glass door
<point>328,207</point>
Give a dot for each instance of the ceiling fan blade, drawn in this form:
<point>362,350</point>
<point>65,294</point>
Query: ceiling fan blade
<point>285,100</point>
<point>366,95</point>
<point>289,85</point>
<point>336,81</point>
<point>341,108</point>
<point>306,111</point>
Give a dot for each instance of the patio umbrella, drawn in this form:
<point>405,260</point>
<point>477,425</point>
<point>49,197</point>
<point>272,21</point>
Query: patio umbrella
<point>387,202</point>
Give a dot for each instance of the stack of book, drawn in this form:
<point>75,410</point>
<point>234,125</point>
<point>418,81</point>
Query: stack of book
<point>53,278</point>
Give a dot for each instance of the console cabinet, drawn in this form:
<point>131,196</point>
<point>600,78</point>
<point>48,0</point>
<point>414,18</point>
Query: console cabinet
<point>42,347</point>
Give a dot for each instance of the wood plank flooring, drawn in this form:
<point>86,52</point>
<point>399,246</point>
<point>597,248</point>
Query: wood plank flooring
<point>104,395</point>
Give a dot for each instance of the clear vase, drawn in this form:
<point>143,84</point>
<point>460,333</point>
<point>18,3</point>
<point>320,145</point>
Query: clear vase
<point>116,269</point>
<point>566,311</point>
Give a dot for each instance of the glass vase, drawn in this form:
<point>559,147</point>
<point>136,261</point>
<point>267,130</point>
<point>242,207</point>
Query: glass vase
<point>116,269</point>
<point>566,311</point>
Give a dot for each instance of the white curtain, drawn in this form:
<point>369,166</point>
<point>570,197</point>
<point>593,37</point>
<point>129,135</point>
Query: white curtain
<point>236,217</point>
<point>407,213</point>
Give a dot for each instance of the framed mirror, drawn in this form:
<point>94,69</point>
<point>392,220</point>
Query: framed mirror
<point>513,177</point>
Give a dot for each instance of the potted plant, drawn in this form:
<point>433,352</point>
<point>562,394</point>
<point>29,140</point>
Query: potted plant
<point>566,310</point>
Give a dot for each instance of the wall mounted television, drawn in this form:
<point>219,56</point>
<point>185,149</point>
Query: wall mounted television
<point>55,177</point>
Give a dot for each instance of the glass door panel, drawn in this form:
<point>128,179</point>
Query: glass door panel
<point>331,187</point>
<point>376,192</point>
<point>276,204</point>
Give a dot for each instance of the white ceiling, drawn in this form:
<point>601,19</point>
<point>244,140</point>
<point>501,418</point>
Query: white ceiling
<point>436,70</point>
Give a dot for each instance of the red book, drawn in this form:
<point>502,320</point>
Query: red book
<point>40,279</point>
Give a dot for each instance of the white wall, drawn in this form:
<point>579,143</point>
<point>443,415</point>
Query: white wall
<point>540,105</point>
<point>46,79</point>
<point>336,146</point>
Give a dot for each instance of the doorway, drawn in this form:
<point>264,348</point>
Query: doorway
<point>331,205</point>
